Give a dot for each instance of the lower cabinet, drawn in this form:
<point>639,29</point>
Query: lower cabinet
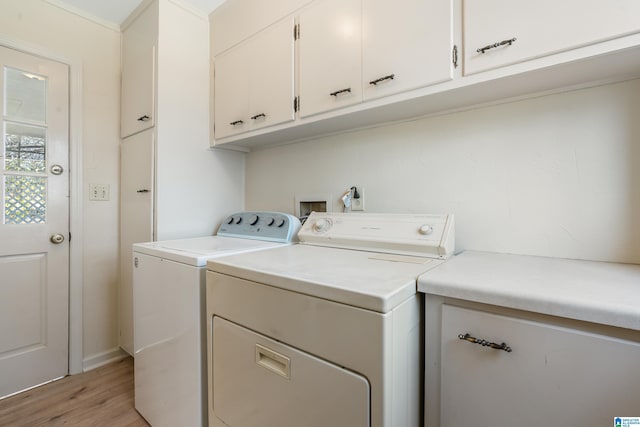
<point>136,219</point>
<point>497,369</point>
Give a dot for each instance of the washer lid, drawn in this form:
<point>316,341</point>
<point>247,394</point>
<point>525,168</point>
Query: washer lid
<point>198,250</point>
<point>363,279</point>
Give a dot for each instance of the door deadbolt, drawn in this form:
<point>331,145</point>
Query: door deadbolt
<point>57,238</point>
<point>56,169</point>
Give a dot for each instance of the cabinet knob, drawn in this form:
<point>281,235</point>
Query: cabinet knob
<point>382,79</point>
<point>144,118</point>
<point>498,44</point>
<point>338,92</point>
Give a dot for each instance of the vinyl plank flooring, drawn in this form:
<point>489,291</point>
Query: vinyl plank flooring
<point>101,397</point>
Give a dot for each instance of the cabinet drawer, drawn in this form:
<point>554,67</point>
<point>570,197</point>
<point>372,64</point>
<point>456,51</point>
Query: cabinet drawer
<point>552,376</point>
<point>540,28</point>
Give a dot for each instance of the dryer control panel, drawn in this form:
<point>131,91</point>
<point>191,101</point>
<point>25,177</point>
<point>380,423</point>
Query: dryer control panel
<point>406,234</point>
<point>260,225</point>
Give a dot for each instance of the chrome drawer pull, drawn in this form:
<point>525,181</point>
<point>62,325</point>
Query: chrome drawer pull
<point>485,343</point>
<point>237,122</point>
<point>257,116</point>
<point>144,118</point>
<point>491,46</point>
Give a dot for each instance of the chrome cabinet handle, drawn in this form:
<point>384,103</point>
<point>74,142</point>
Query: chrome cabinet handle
<point>144,118</point>
<point>485,343</point>
<point>237,122</point>
<point>338,92</point>
<point>494,45</point>
<point>257,116</point>
<point>381,79</point>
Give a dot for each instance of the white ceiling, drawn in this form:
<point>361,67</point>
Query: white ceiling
<point>116,11</point>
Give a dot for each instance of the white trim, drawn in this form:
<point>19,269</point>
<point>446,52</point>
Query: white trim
<point>114,355</point>
<point>84,14</point>
<point>191,9</point>
<point>76,274</point>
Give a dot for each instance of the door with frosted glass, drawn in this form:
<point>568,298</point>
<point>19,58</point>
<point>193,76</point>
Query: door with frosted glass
<point>34,221</point>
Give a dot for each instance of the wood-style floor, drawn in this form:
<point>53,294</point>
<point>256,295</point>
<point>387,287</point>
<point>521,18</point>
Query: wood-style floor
<point>101,397</point>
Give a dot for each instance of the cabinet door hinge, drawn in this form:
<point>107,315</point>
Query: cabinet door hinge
<point>296,104</point>
<point>454,56</point>
<point>296,32</point>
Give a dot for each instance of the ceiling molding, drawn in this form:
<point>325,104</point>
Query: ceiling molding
<point>84,14</point>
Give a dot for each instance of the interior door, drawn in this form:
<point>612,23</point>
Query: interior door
<point>34,221</point>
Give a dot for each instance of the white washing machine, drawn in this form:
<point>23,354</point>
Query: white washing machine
<point>327,332</point>
<point>169,313</point>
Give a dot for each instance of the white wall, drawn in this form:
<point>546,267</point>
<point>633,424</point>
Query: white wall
<point>557,175</point>
<point>98,48</point>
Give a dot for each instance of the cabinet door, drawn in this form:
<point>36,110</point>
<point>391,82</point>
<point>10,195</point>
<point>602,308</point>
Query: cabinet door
<point>139,42</point>
<point>136,218</point>
<point>406,44</point>
<point>553,376</point>
<point>330,56</point>
<point>271,88</point>
<point>540,28</point>
<point>231,91</point>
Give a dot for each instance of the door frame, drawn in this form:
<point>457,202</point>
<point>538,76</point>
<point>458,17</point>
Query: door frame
<point>75,193</point>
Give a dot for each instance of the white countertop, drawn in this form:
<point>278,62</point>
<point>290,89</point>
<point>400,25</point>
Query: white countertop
<point>599,292</point>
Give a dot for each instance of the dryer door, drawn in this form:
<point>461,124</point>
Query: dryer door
<point>260,382</point>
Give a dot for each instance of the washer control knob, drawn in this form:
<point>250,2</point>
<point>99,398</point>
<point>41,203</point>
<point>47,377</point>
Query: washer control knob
<point>254,219</point>
<point>321,225</point>
<point>230,220</point>
<point>239,220</point>
<point>280,222</point>
<point>425,229</point>
<point>270,221</point>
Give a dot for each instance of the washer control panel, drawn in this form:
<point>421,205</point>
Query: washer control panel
<point>406,234</point>
<point>260,225</point>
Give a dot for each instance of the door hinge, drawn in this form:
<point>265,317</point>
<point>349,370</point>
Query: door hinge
<point>296,32</point>
<point>296,104</point>
<point>454,56</point>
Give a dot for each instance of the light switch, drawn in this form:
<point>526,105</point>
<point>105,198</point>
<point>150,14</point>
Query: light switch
<point>99,192</point>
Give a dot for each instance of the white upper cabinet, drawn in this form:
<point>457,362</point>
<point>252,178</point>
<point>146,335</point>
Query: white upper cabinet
<point>330,58</point>
<point>138,73</point>
<point>406,44</point>
<point>254,86</point>
<point>515,31</point>
<point>231,91</point>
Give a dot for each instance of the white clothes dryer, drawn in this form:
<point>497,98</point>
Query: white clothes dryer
<point>169,313</point>
<point>327,332</point>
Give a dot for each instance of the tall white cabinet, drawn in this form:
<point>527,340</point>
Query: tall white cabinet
<point>172,184</point>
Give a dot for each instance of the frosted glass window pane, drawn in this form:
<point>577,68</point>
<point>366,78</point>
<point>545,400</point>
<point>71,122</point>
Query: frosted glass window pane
<point>25,199</point>
<point>25,148</point>
<point>25,95</point>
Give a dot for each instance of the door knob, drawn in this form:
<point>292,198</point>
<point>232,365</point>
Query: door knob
<point>57,238</point>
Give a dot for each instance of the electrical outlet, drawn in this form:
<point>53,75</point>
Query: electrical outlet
<point>99,192</point>
<point>358,204</point>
